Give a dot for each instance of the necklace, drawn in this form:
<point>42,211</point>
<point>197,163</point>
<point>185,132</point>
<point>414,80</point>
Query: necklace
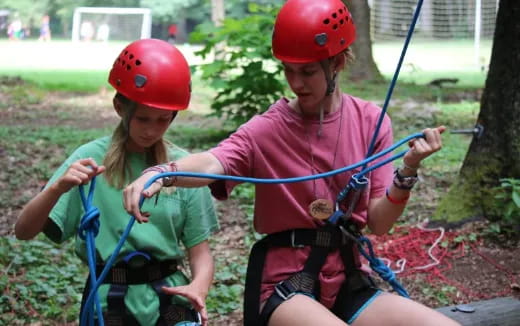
<point>322,208</point>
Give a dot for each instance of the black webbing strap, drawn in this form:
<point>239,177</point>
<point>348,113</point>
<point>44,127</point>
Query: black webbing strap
<point>322,241</point>
<point>116,313</point>
<point>121,273</point>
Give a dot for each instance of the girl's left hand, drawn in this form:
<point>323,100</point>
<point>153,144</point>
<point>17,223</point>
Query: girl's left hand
<point>196,297</point>
<point>421,148</point>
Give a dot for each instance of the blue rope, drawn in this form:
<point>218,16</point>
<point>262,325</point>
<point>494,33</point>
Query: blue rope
<point>358,181</point>
<point>88,230</point>
<point>379,267</point>
<point>95,283</point>
<point>89,226</point>
<point>390,91</point>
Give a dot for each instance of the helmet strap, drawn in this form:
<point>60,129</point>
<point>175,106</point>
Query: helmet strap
<point>331,86</point>
<point>330,80</point>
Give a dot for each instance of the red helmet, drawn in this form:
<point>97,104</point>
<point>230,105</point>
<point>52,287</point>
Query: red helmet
<point>312,30</point>
<point>152,72</point>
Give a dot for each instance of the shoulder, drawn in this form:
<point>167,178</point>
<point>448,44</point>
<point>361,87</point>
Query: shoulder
<point>368,112</point>
<point>175,152</point>
<point>277,115</point>
<point>95,149</point>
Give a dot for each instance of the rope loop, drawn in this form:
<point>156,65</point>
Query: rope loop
<point>89,222</point>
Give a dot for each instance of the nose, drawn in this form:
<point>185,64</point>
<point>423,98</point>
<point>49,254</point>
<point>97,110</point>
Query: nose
<point>296,83</point>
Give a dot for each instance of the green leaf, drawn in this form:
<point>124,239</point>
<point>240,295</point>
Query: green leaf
<point>516,198</point>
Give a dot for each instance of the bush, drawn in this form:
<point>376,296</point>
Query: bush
<point>244,74</point>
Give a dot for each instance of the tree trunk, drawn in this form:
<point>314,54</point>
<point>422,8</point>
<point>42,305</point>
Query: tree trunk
<point>217,12</point>
<point>364,67</point>
<point>497,153</point>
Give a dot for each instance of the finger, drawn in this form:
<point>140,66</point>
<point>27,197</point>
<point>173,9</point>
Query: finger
<point>422,146</point>
<point>132,199</point>
<point>100,169</point>
<point>441,129</point>
<point>152,189</point>
<point>204,316</point>
<point>80,175</point>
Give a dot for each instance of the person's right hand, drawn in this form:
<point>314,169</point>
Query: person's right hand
<point>79,172</point>
<point>132,195</point>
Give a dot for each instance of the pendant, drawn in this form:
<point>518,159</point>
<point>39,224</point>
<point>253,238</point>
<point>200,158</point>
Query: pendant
<point>321,209</point>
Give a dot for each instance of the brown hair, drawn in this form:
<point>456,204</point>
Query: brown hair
<point>117,170</point>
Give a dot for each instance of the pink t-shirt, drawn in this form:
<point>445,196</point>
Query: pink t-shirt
<point>281,144</point>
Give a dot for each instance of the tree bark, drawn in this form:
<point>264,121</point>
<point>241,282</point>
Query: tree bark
<point>364,67</point>
<point>497,153</point>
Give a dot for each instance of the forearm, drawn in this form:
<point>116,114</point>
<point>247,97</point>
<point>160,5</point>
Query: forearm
<point>384,211</point>
<point>204,162</point>
<point>35,214</point>
<point>202,267</point>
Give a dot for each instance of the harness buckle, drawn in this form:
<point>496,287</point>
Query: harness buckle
<point>283,292</point>
<point>293,237</point>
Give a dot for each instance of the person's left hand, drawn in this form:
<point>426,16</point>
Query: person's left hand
<point>421,148</point>
<point>196,296</point>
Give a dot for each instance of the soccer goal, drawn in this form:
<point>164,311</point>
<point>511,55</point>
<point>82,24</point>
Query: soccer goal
<point>103,24</point>
<point>440,20</point>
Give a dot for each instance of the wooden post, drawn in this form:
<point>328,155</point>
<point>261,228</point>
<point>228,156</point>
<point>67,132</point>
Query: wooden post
<point>494,312</point>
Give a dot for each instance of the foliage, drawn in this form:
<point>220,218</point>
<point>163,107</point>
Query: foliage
<point>169,10</point>
<point>507,205</point>
<point>41,281</point>
<point>243,72</point>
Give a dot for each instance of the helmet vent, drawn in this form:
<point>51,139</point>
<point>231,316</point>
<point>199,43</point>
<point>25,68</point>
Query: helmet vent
<point>334,15</point>
<point>123,62</point>
<point>335,27</point>
<point>131,56</point>
<point>137,62</point>
<point>326,21</point>
<point>341,21</point>
<point>128,67</point>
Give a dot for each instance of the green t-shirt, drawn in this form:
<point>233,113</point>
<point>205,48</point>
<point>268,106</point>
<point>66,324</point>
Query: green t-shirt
<point>184,216</point>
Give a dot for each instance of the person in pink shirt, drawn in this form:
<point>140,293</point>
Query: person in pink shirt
<point>305,272</point>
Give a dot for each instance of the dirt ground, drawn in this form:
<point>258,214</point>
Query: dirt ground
<point>472,268</point>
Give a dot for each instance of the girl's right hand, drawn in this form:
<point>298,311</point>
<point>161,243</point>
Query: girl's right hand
<point>132,195</point>
<point>79,172</point>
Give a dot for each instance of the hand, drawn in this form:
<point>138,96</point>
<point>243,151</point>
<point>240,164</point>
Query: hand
<point>79,172</point>
<point>132,195</point>
<point>197,298</point>
<point>421,148</point>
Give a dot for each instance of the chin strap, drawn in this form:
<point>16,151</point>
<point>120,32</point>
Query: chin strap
<point>331,86</point>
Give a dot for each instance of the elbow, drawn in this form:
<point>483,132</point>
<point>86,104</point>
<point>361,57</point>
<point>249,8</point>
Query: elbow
<point>20,235</point>
<point>378,230</point>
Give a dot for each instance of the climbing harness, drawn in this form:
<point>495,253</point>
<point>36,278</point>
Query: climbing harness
<point>338,233</point>
<point>123,274</point>
<point>89,226</point>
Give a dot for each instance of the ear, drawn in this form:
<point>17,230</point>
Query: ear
<point>117,107</point>
<point>339,62</point>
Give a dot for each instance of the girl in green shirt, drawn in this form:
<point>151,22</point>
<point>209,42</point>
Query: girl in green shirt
<point>152,80</point>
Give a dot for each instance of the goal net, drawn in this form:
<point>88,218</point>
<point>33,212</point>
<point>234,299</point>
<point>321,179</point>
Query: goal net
<point>441,22</point>
<point>439,19</point>
<point>104,24</point>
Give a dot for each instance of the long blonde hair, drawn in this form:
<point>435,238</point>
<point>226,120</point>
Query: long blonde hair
<point>116,161</point>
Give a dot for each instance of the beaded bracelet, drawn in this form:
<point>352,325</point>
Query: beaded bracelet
<point>168,167</point>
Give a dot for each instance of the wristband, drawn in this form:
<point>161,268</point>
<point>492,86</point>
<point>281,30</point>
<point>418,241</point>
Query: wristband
<point>396,201</point>
<point>405,166</point>
<point>168,167</point>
